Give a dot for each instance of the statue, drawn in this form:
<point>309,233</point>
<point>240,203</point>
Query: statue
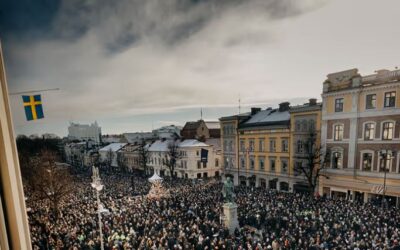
<point>227,191</point>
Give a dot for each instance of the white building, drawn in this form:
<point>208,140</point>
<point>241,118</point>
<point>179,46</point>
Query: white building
<point>112,149</point>
<point>85,132</point>
<point>189,165</point>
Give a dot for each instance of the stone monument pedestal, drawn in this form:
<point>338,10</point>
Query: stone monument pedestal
<point>230,216</point>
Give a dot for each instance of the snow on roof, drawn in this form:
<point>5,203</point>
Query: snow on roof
<point>113,146</point>
<point>158,146</point>
<point>162,146</point>
<point>192,143</point>
<point>213,125</point>
<point>269,116</point>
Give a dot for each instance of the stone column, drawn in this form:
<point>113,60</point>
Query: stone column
<point>230,216</point>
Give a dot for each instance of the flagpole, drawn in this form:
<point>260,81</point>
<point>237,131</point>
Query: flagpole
<point>33,91</point>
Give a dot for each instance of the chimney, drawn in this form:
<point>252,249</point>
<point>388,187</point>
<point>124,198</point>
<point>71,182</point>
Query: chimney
<point>255,110</point>
<point>312,101</point>
<point>284,106</point>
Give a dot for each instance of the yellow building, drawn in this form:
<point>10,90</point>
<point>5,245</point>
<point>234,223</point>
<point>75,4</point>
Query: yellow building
<point>360,128</point>
<point>261,149</point>
<point>305,121</point>
<point>230,140</point>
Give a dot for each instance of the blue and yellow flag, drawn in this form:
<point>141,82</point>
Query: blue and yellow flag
<point>33,107</point>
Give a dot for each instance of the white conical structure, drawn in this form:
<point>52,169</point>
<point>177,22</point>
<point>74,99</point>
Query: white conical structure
<point>155,178</point>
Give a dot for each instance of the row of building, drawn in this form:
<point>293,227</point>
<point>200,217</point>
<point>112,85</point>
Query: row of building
<point>357,127</point>
<point>198,144</point>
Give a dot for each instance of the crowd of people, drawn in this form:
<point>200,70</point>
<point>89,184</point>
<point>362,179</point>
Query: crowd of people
<point>190,218</point>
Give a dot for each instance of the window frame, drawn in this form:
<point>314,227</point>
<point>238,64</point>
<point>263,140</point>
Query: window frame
<point>270,165</point>
<point>285,145</point>
<point>337,151</point>
<point>261,159</point>
<point>365,124</point>
<point>272,141</point>
<point>383,130</point>
<point>339,105</point>
<point>362,153</point>
<point>385,98</point>
<point>334,131</point>
<point>367,103</point>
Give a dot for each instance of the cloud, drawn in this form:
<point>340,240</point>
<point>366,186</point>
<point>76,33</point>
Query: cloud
<point>115,58</point>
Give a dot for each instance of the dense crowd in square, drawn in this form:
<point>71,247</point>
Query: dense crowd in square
<point>190,218</point>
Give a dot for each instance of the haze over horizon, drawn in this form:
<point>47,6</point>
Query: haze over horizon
<point>138,65</point>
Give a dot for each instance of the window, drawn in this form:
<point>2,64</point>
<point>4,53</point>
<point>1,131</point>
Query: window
<point>285,145</point>
<point>339,105</point>
<point>385,162</point>
<point>225,145</point>
<point>304,125</point>
<point>366,161</point>
<point>284,166</point>
<point>272,145</point>
<point>338,132</point>
<point>299,146</point>
<point>251,162</point>
<point>272,165</point>
<point>369,131</point>
<point>390,99</point>
<point>261,145</point>
<point>297,168</point>
<point>242,146</point>
<point>337,160</point>
<point>198,164</point>
<point>216,162</point>
<point>242,162</point>
<point>226,162</point>
<point>204,164</point>
<point>261,164</point>
<point>387,130</point>
<point>312,125</point>
<point>251,145</point>
<point>298,126</point>
<point>230,148</point>
<point>370,101</point>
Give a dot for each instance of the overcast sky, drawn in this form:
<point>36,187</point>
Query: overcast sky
<point>133,64</point>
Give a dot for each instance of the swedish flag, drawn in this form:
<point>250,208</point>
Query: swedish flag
<point>33,107</point>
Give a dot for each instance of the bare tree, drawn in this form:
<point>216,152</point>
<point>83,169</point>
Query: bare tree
<point>315,158</point>
<point>172,156</point>
<point>52,182</point>
<point>144,156</point>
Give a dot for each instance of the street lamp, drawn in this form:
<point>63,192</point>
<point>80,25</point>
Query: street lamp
<point>96,184</point>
